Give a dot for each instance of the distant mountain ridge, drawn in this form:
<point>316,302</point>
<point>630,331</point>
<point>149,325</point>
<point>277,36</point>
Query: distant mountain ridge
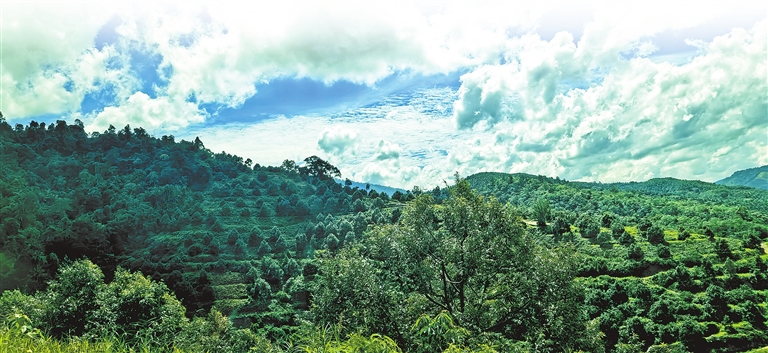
<point>489,183</point>
<point>752,177</point>
<point>379,188</point>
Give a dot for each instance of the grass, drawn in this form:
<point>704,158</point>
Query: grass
<point>230,291</point>
<point>228,278</point>
<point>14,342</point>
<point>229,306</point>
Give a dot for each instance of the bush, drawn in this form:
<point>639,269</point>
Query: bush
<point>663,252</point>
<point>635,252</point>
<point>655,235</point>
<point>626,238</point>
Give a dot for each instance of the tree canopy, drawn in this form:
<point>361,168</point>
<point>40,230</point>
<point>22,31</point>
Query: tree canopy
<point>469,257</point>
<point>317,167</point>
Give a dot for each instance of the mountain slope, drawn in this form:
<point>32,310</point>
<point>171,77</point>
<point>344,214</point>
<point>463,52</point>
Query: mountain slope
<point>655,256</point>
<point>753,177</point>
<point>379,188</point>
<point>219,231</point>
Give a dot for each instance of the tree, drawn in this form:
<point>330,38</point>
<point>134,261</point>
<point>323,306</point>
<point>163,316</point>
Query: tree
<point>541,212</point>
<point>559,227</point>
<point>588,226</point>
<point>131,307</point>
<point>138,308</point>
<point>351,294</point>
<point>469,257</point>
<point>626,238</point>
<point>316,167</point>
<point>198,145</point>
<point>722,249</point>
<point>655,235</point>
<point>72,297</point>
<point>634,252</point>
<point>617,229</point>
<point>289,166</point>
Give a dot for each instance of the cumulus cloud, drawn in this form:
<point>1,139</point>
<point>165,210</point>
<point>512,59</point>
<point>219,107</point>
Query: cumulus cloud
<point>592,103</point>
<point>337,141</point>
<point>388,151</point>
<point>141,110</point>
<point>392,172</point>
<point>48,60</point>
<point>218,54</point>
<point>641,119</point>
<point>423,133</point>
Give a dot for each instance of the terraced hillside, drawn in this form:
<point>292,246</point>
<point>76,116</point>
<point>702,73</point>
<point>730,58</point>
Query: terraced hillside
<point>218,230</point>
<point>265,257</point>
<point>662,262</point>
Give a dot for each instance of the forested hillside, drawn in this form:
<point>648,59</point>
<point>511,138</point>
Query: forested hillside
<point>661,261</point>
<point>217,230</point>
<point>753,177</point>
<point>124,239</point>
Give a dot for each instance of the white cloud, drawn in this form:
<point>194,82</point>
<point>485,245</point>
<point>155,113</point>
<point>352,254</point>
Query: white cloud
<point>48,60</point>
<point>423,138</point>
<point>643,119</point>
<point>219,53</point>
<point>593,103</point>
<point>388,150</point>
<point>141,110</point>
<point>337,141</point>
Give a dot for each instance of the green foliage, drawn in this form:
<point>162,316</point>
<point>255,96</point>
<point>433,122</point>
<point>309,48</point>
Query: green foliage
<point>588,226</point>
<point>437,334</point>
<point>655,235</point>
<point>626,238</point>
<point>349,293</point>
<point>469,257</point>
<point>329,340</point>
<point>223,233</point>
<point>541,212</point>
<point>72,298</point>
<point>635,252</point>
<point>314,166</point>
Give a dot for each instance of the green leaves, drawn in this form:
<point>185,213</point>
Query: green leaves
<point>468,260</point>
<point>541,212</point>
<point>435,334</point>
<point>131,307</point>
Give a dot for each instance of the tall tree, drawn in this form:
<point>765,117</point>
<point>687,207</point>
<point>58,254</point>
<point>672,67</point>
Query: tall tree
<point>470,257</point>
<point>315,166</point>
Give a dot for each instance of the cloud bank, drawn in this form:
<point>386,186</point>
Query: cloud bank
<point>642,119</point>
<point>581,90</point>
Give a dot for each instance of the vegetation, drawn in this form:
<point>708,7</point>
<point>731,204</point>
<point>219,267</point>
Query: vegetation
<point>662,262</point>
<point>120,241</point>
<point>753,177</point>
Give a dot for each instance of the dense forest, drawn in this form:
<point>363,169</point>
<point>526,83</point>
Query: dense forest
<point>120,241</point>
<point>753,177</point>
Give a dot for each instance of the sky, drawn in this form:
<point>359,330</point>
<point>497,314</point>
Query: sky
<point>408,93</point>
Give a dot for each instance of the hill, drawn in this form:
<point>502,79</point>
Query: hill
<point>656,256</point>
<point>379,188</point>
<point>753,177</point>
<point>213,227</point>
<point>240,255</point>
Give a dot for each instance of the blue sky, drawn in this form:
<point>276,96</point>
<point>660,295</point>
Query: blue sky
<point>408,93</point>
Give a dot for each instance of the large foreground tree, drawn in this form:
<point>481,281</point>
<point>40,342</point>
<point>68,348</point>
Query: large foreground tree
<point>469,257</point>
